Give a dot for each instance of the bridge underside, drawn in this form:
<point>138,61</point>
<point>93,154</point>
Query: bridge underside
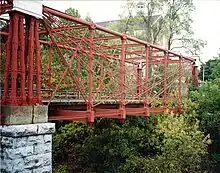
<point>83,71</point>
<point>78,111</point>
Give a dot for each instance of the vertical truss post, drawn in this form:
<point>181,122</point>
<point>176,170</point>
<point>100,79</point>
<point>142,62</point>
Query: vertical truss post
<point>49,66</point>
<point>194,74</point>
<point>139,77</point>
<point>78,65</point>
<point>91,58</point>
<point>14,61</point>
<point>166,54</point>
<point>30,61</point>
<point>180,83</point>
<point>23,44</point>
<point>101,74</point>
<point>8,62</point>
<point>22,59</point>
<point>37,62</point>
<point>27,27</point>
<point>122,79</point>
<point>146,103</point>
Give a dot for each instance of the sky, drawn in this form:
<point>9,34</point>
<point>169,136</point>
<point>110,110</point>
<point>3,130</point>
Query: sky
<point>206,18</point>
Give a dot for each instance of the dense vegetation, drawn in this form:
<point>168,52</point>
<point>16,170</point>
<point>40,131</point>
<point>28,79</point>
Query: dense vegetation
<point>165,143</point>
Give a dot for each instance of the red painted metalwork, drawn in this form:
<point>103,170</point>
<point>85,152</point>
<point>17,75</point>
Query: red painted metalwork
<point>139,81</point>
<point>84,71</point>
<point>37,62</point>
<point>22,59</point>
<point>122,79</point>
<point>23,52</point>
<point>49,66</point>
<point>180,82</point>
<point>146,101</point>
<point>91,59</point>
<point>166,54</point>
<point>194,74</point>
<point>5,5</point>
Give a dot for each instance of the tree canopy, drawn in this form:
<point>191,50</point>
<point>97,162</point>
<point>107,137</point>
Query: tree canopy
<point>211,69</point>
<point>163,22</point>
<point>166,143</point>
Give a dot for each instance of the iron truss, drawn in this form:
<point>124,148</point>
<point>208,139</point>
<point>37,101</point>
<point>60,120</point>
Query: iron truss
<point>84,71</point>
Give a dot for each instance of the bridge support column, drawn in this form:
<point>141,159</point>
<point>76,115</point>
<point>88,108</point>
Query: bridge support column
<point>26,136</point>
<point>24,114</point>
<point>26,140</point>
<point>22,67</point>
<point>26,148</point>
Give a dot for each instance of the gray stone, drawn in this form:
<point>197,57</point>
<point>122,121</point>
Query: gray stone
<point>34,140</point>
<point>34,161</point>
<point>20,142</point>
<point>17,114</point>
<point>19,130</point>
<point>47,158</point>
<point>45,169</point>
<point>16,165</point>
<point>46,128</point>
<point>27,171</point>
<point>26,148</point>
<point>7,142</point>
<point>6,165</point>
<point>42,148</point>
<point>48,138</point>
<point>40,114</point>
<point>17,153</point>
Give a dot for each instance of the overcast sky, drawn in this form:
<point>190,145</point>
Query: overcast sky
<point>206,18</point>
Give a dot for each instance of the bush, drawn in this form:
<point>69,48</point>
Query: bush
<point>207,109</point>
<point>163,143</point>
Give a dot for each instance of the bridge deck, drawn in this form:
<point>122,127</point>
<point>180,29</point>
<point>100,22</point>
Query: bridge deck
<point>76,110</point>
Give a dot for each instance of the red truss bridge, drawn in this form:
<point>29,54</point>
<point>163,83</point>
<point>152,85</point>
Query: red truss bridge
<point>83,71</point>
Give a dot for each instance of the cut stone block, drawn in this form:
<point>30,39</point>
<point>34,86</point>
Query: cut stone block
<point>40,114</point>
<point>17,114</point>
<point>26,148</point>
<point>24,114</point>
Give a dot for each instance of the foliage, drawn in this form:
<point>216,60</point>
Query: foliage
<point>162,143</point>
<point>182,145</point>
<point>68,144</point>
<point>207,108</point>
<point>161,20</point>
<point>211,69</point>
<point>73,12</point>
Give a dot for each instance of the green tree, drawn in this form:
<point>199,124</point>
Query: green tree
<point>207,108</point>
<point>73,12</point>
<point>166,22</point>
<point>162,143</point>
<point>211,69</point>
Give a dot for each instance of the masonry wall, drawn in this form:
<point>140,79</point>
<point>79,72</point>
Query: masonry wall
<point>26,148</point>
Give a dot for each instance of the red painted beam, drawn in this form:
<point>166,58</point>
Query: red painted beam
<point>89,24</point>
<point>66,28</point>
